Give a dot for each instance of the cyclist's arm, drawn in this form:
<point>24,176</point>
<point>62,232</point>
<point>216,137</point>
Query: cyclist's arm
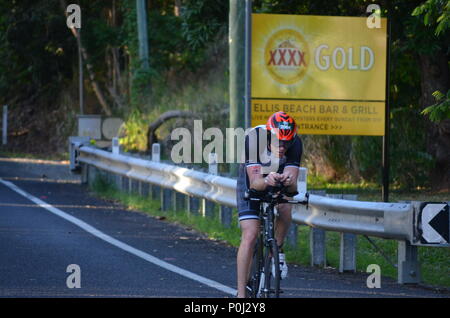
<point>256,178</point>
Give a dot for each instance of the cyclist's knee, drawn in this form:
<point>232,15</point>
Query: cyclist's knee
<point>249,232</point>
<point>249,236</point>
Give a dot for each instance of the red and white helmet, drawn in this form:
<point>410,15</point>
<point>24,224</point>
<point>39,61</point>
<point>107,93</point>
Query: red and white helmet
<point>282,125</point>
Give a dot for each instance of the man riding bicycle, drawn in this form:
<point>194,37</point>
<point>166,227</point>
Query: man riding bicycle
<point>272,158</point>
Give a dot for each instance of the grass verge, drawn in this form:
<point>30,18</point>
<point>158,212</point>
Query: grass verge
<point>435,262</point>
<point>60,156</point>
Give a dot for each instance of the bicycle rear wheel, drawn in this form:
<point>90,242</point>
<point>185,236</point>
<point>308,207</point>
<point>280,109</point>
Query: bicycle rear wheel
<point>271,271</point>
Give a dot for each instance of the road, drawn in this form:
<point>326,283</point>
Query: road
<point>47,225</point>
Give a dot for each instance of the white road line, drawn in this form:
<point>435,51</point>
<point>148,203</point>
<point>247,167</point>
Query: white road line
<point>92,230</point>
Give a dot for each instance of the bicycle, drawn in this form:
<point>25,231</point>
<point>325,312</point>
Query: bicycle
<point>264,282</point>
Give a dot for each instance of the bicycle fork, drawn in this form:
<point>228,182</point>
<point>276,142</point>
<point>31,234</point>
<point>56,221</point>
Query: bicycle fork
<point>269,240</point>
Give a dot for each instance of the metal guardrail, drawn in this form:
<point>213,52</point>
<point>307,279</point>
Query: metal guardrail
<point>190,182</point>
<point>386,220</point>
<point>398,221</point>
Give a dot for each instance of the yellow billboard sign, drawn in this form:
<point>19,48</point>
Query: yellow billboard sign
<point>325,117</point>
<point>317,57</point>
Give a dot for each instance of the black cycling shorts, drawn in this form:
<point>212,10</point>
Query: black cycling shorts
<point>247,209</point>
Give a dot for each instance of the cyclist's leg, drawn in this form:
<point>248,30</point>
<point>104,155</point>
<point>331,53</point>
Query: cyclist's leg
<point>283,222</point>
<point>250,231</point>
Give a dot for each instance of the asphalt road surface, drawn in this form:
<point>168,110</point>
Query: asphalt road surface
<point>56,236</point>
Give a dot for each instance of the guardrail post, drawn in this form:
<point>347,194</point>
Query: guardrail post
<point>156,153</point>
<point>75,143</point>
<point>5,125</point>
<point>113,180</point>
<point>302,180</point>
<point>124,184</point>
<point>143,189</point>
<point>317,247</point>
<point>84,173</point>
<point>115,146</point>
<point>156,157</point>
<point>156,192</point>
<point>179,201</point>
<point>408,264</point>
<point>117,181</point>
<point>226,215</point>
<point>91,174</point>
<point>347,253</point>
<point>208,206</point>
<point>291,237</point>
<point>213,167</point>
<point>193,205</point>
<point>317,244</point>
<point>134,186</point>
<point>166,199</point>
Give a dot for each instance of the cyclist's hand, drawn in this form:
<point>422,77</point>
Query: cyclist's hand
<point>287,178</point>
<point>272,179</point>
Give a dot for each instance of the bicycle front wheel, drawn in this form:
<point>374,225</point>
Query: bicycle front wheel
<point>271,271</point>
<point>254,285</point>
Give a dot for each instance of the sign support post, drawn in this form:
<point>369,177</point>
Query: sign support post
<point>385,159</point>
<point>5,125</point>
<point>248,62</point>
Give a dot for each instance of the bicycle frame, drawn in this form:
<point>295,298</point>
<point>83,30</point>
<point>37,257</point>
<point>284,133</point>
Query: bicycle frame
<point>258,280</point>
<point>266,250</point>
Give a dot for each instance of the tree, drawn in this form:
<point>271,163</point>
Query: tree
<point>432,38</point>
<point>96,87</point>
<point>436,13</point>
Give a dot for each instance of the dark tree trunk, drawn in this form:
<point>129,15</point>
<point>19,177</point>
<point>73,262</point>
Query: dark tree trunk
<point>435,76</point>
<point>95,85</point>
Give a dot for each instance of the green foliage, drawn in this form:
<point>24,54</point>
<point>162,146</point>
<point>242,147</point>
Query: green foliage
<point>435,13</point>
<point>203,21</point>
<point>410,163</point>
<point>134,136</point>
<point>169,38</point>
<point>37,60</point>
<point>336,8</point>
<point>367,153</point>
<point>440,110</point>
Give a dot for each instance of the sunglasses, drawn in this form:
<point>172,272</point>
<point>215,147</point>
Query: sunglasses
<point>283,143</point>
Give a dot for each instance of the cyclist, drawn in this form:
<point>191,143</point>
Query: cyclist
<point>272,157</point>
